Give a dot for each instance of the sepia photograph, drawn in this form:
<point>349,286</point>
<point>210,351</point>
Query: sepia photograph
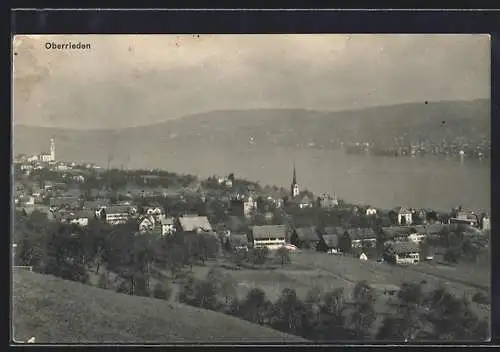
<point>263,188</point>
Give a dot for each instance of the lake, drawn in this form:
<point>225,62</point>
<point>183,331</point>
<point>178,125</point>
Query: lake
<point>427,182</point>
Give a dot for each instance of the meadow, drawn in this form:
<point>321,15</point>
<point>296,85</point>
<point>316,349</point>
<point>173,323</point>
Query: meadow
<point>59,311</point>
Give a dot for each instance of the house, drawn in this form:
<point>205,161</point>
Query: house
<point>80,218</point>
<point>417,236</point>
<point>115,214</point>
<point>146,224</point>
<point>404,253</point>
<point>396,233</point>
<point>371,211</point>
<point>331,239</point>
<point>167,226</point>
<point>327,201</point>
<point>302,202</point>
<point>465,218</point>
<point>238,241</point>
<point>194,224</point>
<point>362,237</point>
<point>405,216</point>
<point>485,223</point>
<point>249,204</point>
<point>153,210</point>
<point>271,236</point>
<point>305,237</point>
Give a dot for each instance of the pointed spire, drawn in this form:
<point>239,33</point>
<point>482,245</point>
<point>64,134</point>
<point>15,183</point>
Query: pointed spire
<point>294,181</point>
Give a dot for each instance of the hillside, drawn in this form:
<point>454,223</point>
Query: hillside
<point>279,127</point>
<point>58,311</point>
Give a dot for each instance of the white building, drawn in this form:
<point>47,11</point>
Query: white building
<point>52,150</point>
<point>406,253</point>
<point>371,211</point>
<point>167,226</point>
<point>405,216</point>
<point>486,223</point>
<point>33,158</point>
<point>416,237</point>
<point>271,236</point>
<point>249,205</point>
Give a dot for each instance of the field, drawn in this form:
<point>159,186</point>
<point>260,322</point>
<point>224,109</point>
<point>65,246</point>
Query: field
<point>327,272</point>
<point>353,269</point>
<point>58,311</point>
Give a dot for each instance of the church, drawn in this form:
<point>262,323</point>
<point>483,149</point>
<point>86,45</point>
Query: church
<point>297,198</point>
<point>45,157</point>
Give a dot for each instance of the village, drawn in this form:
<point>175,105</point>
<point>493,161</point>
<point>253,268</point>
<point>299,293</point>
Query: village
<point>249,217</point>
<point>318,242</point>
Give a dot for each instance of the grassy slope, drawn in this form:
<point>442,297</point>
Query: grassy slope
<point>58,311</point>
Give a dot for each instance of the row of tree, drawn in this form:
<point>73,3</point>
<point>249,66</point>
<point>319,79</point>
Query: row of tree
<point>413,314</point>
<point>67,250</point>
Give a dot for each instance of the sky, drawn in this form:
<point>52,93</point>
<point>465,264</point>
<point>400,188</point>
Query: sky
<point>131,80</point>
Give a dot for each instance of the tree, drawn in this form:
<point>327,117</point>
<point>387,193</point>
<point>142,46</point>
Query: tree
<point>124,287</point>
<point>187,291</point>
<point>425,249</point>
<point>205,293</point>
<point>141,285</point>
<point>452,318</point>
<point>345,243</point>
<point>452,255</point>
<point>331,322</point>
<point>283,254</point>
<point>289,313</point>
<point>259,255</point>
<point>225,287</point>
<point>390,329</point>
<point>363,315</point>
<point>255,307</point>
<point>162,291</point>
<point>481,298</point>
<point>410,310</point>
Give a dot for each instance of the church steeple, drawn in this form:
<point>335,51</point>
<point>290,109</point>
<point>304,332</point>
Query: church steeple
<point>294,189</point>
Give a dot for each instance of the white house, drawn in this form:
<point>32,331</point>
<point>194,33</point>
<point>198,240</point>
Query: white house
<point>33,158</point>
<point>406,253</point>
<point>271,236</point>
<point>116,214</point>
<point>62,167</point>
<point>45,158</point>
<point>80,218</point>
<point>167,226</point>
<point>153,211</point>
<point>405,216</point>
<point>146,224</point>
<point>486,223</point>
<point>371,211</point>
<point>416,237</point>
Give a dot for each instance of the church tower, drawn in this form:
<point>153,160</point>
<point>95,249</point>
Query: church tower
<point>52,149</point>
<point>295,186</point>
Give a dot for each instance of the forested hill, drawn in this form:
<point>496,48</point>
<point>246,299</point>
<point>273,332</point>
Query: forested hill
<point>467,121</point>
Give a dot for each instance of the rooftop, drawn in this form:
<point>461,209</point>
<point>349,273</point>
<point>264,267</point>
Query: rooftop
<point>193,223</point>
<point>268,231</point>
